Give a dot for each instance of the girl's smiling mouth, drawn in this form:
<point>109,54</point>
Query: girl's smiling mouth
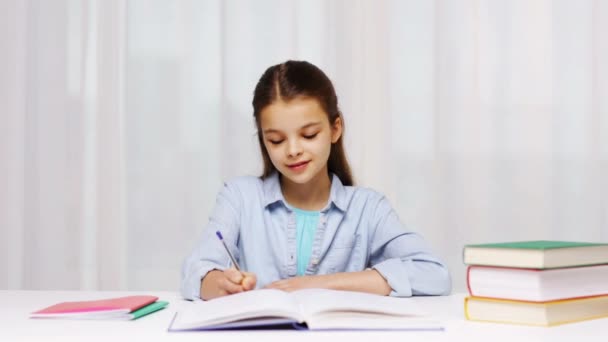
<point>298,166</point>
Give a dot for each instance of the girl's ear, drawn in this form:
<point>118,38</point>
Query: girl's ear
<point>336,130</point>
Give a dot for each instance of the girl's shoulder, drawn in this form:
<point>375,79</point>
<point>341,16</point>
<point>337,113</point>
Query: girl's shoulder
<point>363,194</point>
<point>367,202</point>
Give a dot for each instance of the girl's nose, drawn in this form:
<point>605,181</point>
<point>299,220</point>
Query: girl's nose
<point>294,149</point>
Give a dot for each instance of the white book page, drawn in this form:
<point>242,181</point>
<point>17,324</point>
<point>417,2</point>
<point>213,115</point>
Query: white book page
<point>104,314</point>
<point>314,301</point>
<point>251,304</point>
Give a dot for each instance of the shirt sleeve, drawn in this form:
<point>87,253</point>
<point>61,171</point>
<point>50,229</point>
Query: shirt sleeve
<point>403,258</point>
<point>209,253</point>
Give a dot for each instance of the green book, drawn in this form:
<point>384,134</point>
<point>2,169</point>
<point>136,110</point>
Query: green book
<point>540,254</point>
<point>148,309</point>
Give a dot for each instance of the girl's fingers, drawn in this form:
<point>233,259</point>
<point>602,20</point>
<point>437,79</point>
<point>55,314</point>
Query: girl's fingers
<point>236,281</point>
<point>233,275</point>
<point>249,281</point>
<point>249,274</point>
<point>230,287</point>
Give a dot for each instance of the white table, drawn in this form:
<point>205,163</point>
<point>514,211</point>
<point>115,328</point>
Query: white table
<point>16,326</point>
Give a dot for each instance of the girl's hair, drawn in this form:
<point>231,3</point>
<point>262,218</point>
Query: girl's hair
<point>288,81</point>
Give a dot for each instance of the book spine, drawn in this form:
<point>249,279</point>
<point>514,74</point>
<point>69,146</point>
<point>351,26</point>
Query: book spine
<point>469,281</point>
<point>148,309</point>
<point>466,308</point>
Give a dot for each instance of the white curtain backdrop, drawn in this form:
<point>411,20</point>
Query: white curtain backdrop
<point>482,121</point>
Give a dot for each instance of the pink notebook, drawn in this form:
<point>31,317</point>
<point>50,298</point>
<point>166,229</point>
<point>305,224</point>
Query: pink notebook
<point>94,309</point>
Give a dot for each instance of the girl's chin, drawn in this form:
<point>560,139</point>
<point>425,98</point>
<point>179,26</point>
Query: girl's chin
<point>296,177</point>
<point>299,178</point>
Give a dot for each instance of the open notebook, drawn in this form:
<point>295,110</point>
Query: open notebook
<point>314,309</point>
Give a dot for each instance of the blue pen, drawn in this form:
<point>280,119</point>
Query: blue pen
<point>219,235</point>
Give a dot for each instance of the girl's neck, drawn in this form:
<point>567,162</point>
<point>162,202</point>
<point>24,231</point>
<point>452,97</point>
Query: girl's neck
<point>310,196</point>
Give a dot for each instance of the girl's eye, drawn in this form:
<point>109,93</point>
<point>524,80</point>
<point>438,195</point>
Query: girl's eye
<point>311,136</point>
<point>275,142</point>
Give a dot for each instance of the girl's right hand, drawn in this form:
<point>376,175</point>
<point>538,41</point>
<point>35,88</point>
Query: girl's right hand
<point>221,283</point>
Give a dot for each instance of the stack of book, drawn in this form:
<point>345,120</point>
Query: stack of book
<point>120,308</point>
<point>536,282</point>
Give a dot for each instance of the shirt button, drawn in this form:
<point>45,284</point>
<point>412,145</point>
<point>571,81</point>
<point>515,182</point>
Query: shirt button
<point>315,261</point>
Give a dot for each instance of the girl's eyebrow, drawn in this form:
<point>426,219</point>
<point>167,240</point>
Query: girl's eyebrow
<point>272,130</point>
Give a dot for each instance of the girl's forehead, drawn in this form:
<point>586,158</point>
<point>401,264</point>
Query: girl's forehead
<point>292,114</point>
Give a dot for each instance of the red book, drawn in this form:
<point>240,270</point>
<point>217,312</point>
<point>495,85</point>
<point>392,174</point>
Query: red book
<point>535,285</point>
<point>96,309</point>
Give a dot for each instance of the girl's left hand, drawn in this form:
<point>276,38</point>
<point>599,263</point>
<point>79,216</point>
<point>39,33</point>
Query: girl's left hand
<point>370,281</point>
<point>302,282</point>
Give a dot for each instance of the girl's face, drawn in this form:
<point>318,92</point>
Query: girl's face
<point>298,137</point>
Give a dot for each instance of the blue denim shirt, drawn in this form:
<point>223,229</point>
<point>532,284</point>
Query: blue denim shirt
<point>357,229</point>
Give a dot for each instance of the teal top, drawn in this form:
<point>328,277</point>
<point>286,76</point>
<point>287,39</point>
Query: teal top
<point>306,226</point>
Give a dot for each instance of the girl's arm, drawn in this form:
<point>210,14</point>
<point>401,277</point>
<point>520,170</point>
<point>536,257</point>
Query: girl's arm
<point>403,257</point>
<point>369,281</point>
<point>402,264</point>
<point>209,254</point>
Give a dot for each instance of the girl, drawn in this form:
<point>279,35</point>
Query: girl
<point>303,223</point>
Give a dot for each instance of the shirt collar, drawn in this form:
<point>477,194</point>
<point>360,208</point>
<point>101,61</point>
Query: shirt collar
<point>273,193</point>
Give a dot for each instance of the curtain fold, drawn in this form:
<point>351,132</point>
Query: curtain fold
<point>481,121</point>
